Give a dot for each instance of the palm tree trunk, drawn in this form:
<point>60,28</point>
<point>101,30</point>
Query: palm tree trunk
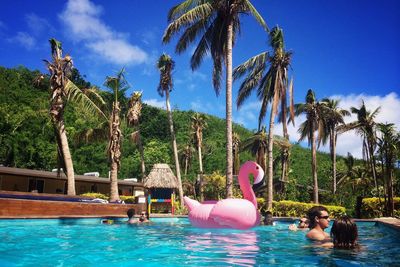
<point>175,149</point>
<point>114,194</point>
<point>201,173</point>
<point>270,155</point>
<point>314,164</point>
<point>333,158</point>
<point>141,151</point>
<point>67,159</point>
<point>285,151</point>
<point>229,158</point>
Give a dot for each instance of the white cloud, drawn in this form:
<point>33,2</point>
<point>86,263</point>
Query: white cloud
<point>155,103</point>
<point>247,114</point>
<point>24,39</point>
<point>82,20</point>
<point>191,80</point>
<point>350,141</point>
<point>37,25</point>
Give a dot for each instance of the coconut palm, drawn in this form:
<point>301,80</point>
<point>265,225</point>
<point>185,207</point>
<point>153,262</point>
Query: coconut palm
<point>118,85</point>
<point>366,127</point>
<point>236,149</point>
<point>257,145</point>
<point>267,73</point>
<point>333,117</point>
<point>186,155</point>
<point>166,65</point>
<point>389,146</point>
<point>62,90</point>
<point>313,111</point>
<point>198,124</point>
<point>215,24</point>
<point>133,117</point>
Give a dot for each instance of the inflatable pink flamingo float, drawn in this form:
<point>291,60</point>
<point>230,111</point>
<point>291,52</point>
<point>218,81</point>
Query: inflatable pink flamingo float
<point>231,212</point>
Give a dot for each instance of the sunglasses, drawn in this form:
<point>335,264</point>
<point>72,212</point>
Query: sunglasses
<point>302,221</point>
<point>324,217</point>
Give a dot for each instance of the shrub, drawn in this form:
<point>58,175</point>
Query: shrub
<point>128,199</point>
<point>95,195</point>
<point>373,208</point>
<point>287,208</point>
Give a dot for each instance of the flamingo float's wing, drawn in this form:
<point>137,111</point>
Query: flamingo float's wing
<point>235,213</point>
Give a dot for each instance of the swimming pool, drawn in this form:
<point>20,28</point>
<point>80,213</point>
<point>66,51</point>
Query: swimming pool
<point>173,242</point>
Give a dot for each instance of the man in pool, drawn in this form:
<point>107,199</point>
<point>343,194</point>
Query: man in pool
<point>143,217</point>
<point>318,221</point>
<point>303,225</point>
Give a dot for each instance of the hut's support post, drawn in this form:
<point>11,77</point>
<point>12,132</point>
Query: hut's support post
<point>149,204</point>
<point>172,203</point>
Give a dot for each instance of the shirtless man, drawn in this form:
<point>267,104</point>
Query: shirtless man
<point>319,220</point>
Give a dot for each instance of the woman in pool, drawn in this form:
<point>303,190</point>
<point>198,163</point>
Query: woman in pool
<point>344,233</point>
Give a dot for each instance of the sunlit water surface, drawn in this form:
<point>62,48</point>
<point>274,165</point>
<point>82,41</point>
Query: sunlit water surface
<point>174,242</point>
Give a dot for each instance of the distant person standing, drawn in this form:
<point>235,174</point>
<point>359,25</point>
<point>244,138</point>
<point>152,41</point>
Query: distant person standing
<point>318,217</point>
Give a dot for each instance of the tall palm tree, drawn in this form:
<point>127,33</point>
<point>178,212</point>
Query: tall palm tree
<point>198,124</point>
<point>236,149</point>
<point>313,111</point>
<point>117,84</point>
<point>62,90</point>
<point>258,145</point>
<point>332,119</point>
<point>133,117</point>
<point>186,155</point>
<point>267,73</point>
<point>389,146</point>
<point>215,24</point>
<point>366,127</point>
<point>166,65</point>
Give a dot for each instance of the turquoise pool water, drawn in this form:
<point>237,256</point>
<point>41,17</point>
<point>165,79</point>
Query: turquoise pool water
<point>173,242</point>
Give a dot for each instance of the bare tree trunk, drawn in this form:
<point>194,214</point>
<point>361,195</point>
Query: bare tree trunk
<point>114,194</point>
<point>114,151</point>
<point>285,151</point>
<point>314,164</point>
<point>229,156</point>
<point>69,167</point>
<point>175,149</point>
<point>270,155</point>
<point>333,158</point>
<point>141,151</point>
<point>201,172</point>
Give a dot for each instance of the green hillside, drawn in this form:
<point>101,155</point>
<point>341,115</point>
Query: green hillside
<point>27,139</point>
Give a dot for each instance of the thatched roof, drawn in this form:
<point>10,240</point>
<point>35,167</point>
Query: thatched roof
<point>161,176</point>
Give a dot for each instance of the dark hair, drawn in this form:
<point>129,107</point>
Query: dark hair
<point>344,233</point>
<point>130,213</point>
<point>268,218</point>
<point>314,212</point>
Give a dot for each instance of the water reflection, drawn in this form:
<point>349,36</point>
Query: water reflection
<point>230,248</point>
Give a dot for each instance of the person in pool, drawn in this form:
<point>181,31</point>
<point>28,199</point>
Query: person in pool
<point>303,225</point>
<point>344,233</point>
<point>131,216</point>
<point>143,218</point>
<point>318,221</point>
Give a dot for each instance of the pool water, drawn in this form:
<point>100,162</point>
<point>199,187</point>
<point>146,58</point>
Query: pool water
<point>174,242</point>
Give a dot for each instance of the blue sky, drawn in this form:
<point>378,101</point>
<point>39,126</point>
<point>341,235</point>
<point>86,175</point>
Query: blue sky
<point>343,49</point>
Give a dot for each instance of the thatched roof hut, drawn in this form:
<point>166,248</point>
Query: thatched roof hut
<point>161,176</point>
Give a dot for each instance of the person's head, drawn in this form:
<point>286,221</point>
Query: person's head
<point>268,218</point>
<point>318,215</point>
<point>143,216</point>
<point>130,213</point>
<point>303,223</point>
<point>344,233</point>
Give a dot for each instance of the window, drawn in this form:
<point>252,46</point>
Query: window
<point>36,185</point>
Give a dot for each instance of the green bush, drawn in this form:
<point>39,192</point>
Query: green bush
<point>95,195</point>
<point>373,208</point>
<point>287,208</point>
<point>128,199</point>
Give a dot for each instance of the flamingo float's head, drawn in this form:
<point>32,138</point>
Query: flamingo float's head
<point>255,169</point>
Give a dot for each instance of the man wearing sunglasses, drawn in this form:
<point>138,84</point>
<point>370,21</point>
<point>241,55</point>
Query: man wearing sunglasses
<point>318,221</point>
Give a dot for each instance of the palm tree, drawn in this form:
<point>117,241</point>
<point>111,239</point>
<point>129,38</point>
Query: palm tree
<point>258,145</point>
<point>389,146</point>
<point>215,24</point>
<point>271,86</point>
<point>313,111</point>
<point>133,117</point>
<point>166,65</point>
<point>62,90</point>
<point>118,85</point>
<point>186,155</point>
<point>236,150</point>
<point>365,126</point>
<point>198,124</point>
<point>332,119</point>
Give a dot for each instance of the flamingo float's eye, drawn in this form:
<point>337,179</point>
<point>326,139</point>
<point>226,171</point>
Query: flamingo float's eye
<point>257,168</point>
